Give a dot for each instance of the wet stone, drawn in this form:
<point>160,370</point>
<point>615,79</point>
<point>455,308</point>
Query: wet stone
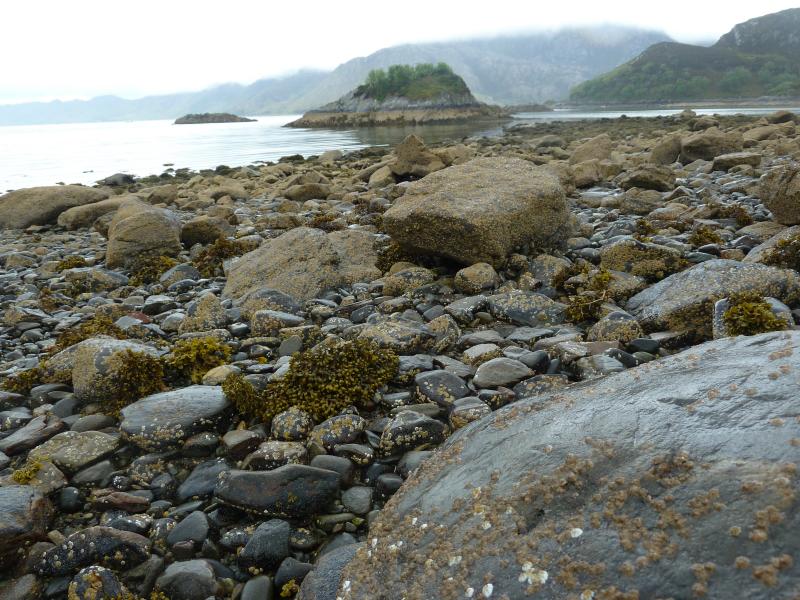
<point>202,480</point>
<point>341,429</point>
<point>166,419</point>
<point>292,425</point>
<point>24,517</point>
<point>267,547</point>
<point>441,387</point>
<point>358,499</point>
<point>410,430</point>
<point>288,491</point>
<point>273,454</point>
<point>338,464</point>
<point>188,580</point>
<point>192,528</point>
<point>105,546</point>
<point>501,372</point>
<point>466,410</point>
<point>95,582</point>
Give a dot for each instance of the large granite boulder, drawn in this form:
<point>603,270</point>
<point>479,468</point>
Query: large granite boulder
<point>83,216</point>
<point>780,192</point>
<point>480,211</point>
<point>708,144</point>
<point>42,205</point>
<point>304,262</point>
<point>139,229</point>
<point>597,148</point>
<point>685,301</point>
<point>675,479</point>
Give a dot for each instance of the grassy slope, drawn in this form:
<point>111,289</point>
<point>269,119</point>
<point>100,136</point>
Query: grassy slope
<point>757,58</point>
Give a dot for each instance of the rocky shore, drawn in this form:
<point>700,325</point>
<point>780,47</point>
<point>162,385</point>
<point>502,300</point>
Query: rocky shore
<point>558,363</point>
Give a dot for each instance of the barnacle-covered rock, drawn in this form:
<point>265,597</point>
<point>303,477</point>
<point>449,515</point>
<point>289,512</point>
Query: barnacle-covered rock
<point>621,475</point>
<point>104,546</point>
<point>166,419</point>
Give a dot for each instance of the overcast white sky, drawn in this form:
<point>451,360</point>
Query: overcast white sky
<point>82,48</point>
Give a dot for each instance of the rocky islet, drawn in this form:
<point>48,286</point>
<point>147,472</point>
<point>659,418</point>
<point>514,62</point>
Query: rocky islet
<point>566,395</point>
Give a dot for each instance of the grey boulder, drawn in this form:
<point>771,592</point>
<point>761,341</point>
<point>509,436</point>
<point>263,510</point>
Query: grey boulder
<point>665,480</point>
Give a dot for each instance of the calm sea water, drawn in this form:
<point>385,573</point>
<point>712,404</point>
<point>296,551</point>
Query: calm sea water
<point>85,152</point>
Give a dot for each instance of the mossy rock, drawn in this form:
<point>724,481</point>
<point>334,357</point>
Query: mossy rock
<point>192,358</point>
<point>749,313</point>
<point>684,302</point>
<point>651,261</point>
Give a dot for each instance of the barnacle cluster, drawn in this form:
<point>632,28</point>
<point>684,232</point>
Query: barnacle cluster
<point>749,314</point>
<point>321,381</point>
<point>191,359</point>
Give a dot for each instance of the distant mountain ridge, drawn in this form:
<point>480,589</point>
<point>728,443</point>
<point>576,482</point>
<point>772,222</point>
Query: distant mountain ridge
<point>760,57</point>
<point>518,69</point>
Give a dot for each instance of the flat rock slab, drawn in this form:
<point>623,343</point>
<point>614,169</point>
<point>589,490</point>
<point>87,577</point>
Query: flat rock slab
<point>304,262</point>
<point>164,420</point>
<point>24,516</point>
<point>676,476</point>
<point>288,491</point>
<point>73,450</point>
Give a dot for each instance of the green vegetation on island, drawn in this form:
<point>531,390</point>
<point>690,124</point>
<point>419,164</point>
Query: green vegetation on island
<point>415,82</point>
<point>757,58</point>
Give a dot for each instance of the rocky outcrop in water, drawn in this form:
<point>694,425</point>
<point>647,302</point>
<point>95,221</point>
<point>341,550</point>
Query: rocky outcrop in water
<point>201,118</point>
<point>352,110</point>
